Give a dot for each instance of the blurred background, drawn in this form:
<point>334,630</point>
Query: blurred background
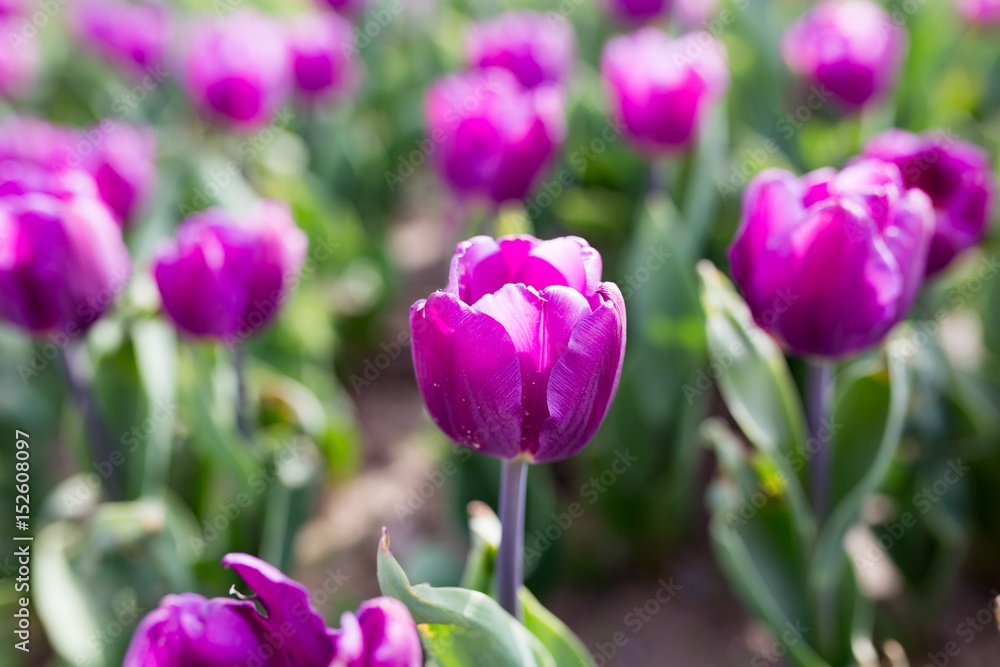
<point>343,445</point>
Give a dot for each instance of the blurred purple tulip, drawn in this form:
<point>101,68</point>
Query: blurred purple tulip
<point>382,634</point>
<point>62,257</point>
<point>850,47</point>
<point>238,68</point>
<point>227,280</point>
<point>19,58</point>
<point>322,48</point>
<point>981,12</point>
<point>829,262</point>
<point>536,48</point>
<point>491,136</point>
<point>30,139</point>
<point>13,8</point>
<point>697,13</point>
<point>957,176</point>
<point>660,87</point>
<point>344,6</point>
<point>191,631</point>
<point>133,35</point>
<point>520,355</point>
<point>638,11</point>
<point>123,164</point>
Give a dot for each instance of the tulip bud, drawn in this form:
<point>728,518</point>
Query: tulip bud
<point>237,68</point>
<point>958,178</point>
<point>981,12</point>
<point>62,258</point>
<point>534,47</point>
<point>123,164</point>
<point>850,47</point>
<point>831,261</point>
<point>490,136</point>
<point>661,87</point>
<point>638,11</point>
<point>227,280</point>
<point>520,355</point>
<point>322,48</point>
<point>382,634</point>
<point>19,58</point>
<point>133,35</point>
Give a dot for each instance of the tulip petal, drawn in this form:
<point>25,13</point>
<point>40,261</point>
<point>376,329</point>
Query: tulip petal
<point>288,607</point>
<point>540,325</point>
<point>909,241</point>
<point>390,635</point>
<point>584,379</point>
<point>468,373</point>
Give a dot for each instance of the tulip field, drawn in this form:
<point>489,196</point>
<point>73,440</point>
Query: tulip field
<point>455,333</point>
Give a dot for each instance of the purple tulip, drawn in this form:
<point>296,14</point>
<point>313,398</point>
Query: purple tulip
<point>981,12</point>
<point>638,11</point>
<point>133,35</point>
<point>227,280</point>
<point>322,48</point>
<point>831,261</point>
<point>493,137</point>
<point>62,258</point>
<point>238,68</point>
<point>123,164</point>
<point>521,353</point>
<point>536,48</point>
<point>190,631</point>
<point>661,87</point>
<point>957,176</point>
<point>19,58</point>
<point>382,634</point>
<point>850,47</point>
<point>33,140</point>
<point>13,8</point>
<point>344,6</point>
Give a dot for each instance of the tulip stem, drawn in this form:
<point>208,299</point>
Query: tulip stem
<point>510,560</point>
<point>79,374</point>
<point>242,397</point>
<point>822,379</point>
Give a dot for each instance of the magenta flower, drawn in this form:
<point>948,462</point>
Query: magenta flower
<point>521,353</point>
<point>227,280</point>
<point>493,137</point>
<point>981,12</point>
<point>661,87</point>
<point>13,8</point>
<point>536,48</point>
<point>237,68</point>
<point>322,48</point>
<point>829,262</point>
<point>638,11</point>
<point>33,140</point>
<point>850,47</point>
<point>344,6</point>
<point>382,634</point>
<point>19,58</point>
<point>956,175</point>
<point>123,164</point>
<point>133,35</point>
<point>62,258</point>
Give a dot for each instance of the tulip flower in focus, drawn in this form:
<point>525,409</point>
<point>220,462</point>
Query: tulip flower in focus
<point>536,48</point>
<point>237,68</point>
<point>850,47</point>
<point>322,56</point>
<point>660,87</point>
<point>226,279</point>
<point>638,11</point>
<point>829,262</point>
<point>19,58</point>
<point>520,355</point>
<point>956,175</point>
<point>189,630</point>
<point>492,136</point>
<point>62,258</point>
<point>982,12</point>
<point>131,34</point>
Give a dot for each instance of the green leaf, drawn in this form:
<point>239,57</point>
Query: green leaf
<point>757,387</point>
<point>480,633</point>
<point>155,346</point>
<point>565,647</point>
